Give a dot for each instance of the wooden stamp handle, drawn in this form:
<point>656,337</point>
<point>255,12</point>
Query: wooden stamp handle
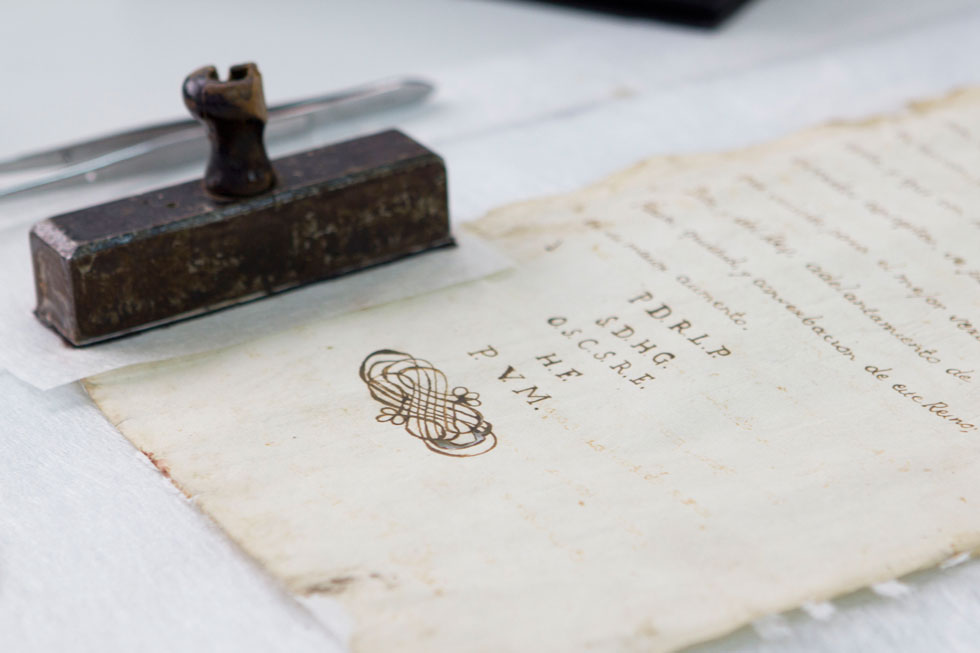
<point>235,114</point>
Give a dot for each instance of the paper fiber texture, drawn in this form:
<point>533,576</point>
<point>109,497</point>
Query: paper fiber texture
<point>711,389</point>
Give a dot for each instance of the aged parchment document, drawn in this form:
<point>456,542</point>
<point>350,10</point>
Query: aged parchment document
<point>712,388</point>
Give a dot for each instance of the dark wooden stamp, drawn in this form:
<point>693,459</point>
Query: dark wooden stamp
<point>252,228</point>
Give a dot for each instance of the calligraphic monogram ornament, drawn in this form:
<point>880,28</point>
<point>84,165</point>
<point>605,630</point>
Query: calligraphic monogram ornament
<point>415,395</point>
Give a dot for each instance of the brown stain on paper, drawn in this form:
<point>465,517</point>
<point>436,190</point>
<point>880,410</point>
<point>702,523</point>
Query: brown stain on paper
<point>159,464</point>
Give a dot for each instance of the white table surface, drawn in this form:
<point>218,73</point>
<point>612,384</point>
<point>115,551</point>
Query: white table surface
<point>99,552</point>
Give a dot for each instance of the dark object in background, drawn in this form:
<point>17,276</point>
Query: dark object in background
<point>702,13</point>
<point>181,251</point>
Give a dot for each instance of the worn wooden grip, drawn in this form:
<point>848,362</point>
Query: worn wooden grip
<point>234,114</point>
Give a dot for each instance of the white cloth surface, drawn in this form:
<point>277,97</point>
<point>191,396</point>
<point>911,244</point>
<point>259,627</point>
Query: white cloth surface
<point>98,552</point>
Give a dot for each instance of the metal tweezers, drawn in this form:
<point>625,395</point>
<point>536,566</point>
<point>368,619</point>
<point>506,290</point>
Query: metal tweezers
<point>85,158</point>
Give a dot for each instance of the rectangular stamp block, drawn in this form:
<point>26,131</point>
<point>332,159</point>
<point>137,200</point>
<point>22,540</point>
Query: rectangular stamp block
<point>177,252</point>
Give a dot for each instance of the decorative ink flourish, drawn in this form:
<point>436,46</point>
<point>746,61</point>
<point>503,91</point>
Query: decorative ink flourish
<point>416,395</point>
